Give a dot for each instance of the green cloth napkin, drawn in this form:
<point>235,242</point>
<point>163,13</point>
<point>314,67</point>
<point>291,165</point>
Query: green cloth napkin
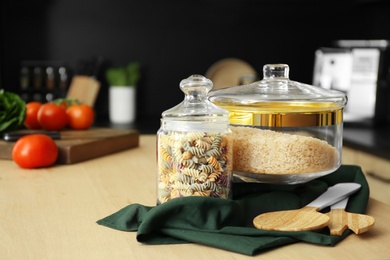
<point>227,224</point>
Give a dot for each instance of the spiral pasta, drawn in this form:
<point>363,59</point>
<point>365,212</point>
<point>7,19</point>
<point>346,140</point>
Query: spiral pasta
<point>193,164</point>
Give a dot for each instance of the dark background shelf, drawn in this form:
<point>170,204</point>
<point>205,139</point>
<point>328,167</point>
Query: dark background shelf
<point>174,39</point>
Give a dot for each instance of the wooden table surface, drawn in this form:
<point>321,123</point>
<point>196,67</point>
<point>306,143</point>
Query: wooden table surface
<point>51,213</point>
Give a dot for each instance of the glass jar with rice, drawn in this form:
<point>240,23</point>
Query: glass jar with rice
<point>284,131</point>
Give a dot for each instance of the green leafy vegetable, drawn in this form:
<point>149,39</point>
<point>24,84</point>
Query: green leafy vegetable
<point>124,76</point>
<point>12,111</point>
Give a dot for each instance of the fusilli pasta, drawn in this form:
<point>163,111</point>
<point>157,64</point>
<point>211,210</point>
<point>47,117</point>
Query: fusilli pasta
<point>193,164</point>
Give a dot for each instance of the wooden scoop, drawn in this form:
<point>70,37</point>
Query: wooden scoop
<point>340,220</point>
<point>308,217</point>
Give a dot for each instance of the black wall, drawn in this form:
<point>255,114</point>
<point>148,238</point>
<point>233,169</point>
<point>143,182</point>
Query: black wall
<point>174,39</point>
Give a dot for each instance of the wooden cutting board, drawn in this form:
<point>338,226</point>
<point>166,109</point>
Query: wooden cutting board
<point>81,145</point>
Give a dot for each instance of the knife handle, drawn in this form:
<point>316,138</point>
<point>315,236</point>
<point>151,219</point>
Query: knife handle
<point>342,204</point>
<point>14,136</point>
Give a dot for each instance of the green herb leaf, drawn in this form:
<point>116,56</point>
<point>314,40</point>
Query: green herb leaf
<point>124,76</point>
<point>133,73</point>
<point>12,111</point>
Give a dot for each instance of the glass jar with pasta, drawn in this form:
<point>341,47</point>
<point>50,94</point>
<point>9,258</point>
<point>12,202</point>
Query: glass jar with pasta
<point>194,146</point>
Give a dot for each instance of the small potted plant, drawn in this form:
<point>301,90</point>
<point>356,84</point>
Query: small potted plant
<point>122,92</point>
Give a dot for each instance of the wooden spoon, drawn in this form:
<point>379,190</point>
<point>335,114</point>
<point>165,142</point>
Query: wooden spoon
<point>340,220</point>
<point>308,217</point>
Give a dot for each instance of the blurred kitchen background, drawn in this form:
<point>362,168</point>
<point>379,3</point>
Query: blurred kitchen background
<point>174,39</point>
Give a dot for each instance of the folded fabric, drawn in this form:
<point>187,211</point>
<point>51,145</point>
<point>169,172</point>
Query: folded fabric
<point>227,224</point>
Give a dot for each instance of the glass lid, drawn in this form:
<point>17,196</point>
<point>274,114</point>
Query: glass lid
<point>276,87</point>
<point>196,106</point>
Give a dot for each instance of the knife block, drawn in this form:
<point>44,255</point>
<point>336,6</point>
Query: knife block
<point>85,89</point>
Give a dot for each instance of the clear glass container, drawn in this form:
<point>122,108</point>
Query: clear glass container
<point>194,146</point>
<point>283,131</point>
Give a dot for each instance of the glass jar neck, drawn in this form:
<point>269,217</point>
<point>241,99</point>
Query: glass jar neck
<point>209,126</point>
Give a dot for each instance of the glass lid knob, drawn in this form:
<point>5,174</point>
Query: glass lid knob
<point>196,86</point>
<point>276,71</point>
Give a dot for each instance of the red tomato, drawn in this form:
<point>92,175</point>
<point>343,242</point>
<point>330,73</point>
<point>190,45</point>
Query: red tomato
<point>52,117</point>
<point>31,120</point>
<point>80,117</point>
<point>34,151</point>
